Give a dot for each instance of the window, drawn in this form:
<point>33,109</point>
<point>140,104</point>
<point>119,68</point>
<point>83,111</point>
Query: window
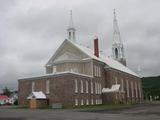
<point>122,86</point>
<point>82,102</point>
<point>91,87</point>
<point>87,102</point>
<point>132,89</point>
<point>95,70</point>
<point>99,101</point>
<point>116,53</point>
<point>47,87</point>
<point>128,89</point>
<point>69,35</point>
<point>100,87</point>
<point>136,89</point>
<point>76,86</point>
<point>92,103</point>
<point>86,86</point>
<point>33,86</point>
<point>96,101</point>
<point>116,80</point>
<point>81,86</point>
<point>54,69</point>
<point>95,87</point>
<point>76,102</point>
<point>74,35</point>
<point>99,72</point>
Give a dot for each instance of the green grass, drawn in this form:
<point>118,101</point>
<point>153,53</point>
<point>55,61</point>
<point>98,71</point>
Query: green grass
<point>99,107</point>
<point>87,107</point>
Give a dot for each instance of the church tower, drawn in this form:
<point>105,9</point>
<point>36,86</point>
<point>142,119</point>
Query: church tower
<point>117,45</point>
<point>71,30</point>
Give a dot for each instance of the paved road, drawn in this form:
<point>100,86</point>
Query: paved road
<point>141,112</point>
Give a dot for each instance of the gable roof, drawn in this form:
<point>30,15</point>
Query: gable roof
<point>89,52</point>
<point>37,95</point>
<point>109,61</point>
<point>3,97</point>
<point>60,48</point>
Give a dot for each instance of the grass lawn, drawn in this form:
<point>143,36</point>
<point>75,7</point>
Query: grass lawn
<point>99,107</point>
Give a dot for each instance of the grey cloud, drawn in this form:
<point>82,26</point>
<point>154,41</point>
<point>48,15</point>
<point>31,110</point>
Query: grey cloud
<point>31,31</point>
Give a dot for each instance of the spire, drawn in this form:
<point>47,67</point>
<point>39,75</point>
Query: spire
<point>71,25</point>
<point>117,46</point>
<point>116,32</point>
<point>71,30</point>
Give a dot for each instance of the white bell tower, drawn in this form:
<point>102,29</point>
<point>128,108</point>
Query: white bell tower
<point>117,45</point>
<point>71,30</point>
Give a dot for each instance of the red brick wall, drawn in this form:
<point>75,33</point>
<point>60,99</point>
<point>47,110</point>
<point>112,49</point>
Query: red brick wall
<point>110,80</point>
<point>62,89</point>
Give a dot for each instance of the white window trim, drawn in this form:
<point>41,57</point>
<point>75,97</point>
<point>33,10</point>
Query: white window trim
<point>82,87</point>
<point>100,88</point>
<point>99,71</point>
<point>86,86</point>
<point>54,69</point>
<point>47,86</point>
<point>132,89</point>
<point>122,82</point>
<point>87,102</point>
<point>128,92</point>
<point>76,102</point>
<point>136,89</point>
<point>91,87</point>
<point>95,85</point>
<point>76,86</point>
<point>116,81</point>
<point>95,70</point>
<point>92,103</point>
<point>33,86</point>
<point>82,103</point>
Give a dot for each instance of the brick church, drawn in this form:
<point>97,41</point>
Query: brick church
<point>77,75</point>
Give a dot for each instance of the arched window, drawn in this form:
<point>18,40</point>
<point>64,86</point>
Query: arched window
<point>116,53</point>
<point>69,35</point>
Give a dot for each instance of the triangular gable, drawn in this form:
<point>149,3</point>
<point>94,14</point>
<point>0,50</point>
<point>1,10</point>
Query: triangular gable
<point>37,95</point>
<point>67,56</point>
<point>90,54</point>
<point>72,52</point>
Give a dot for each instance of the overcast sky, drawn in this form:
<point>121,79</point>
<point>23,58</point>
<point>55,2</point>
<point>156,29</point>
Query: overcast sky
<point>31,30</point>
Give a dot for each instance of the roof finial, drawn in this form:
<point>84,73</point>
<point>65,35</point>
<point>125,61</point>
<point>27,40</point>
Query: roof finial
<point>114,13</point>
<point>71,13</point>
<point>71,30</point>
<point>71,25</point>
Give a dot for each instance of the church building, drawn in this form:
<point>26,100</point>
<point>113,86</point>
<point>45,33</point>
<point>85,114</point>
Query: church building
<point>77,75</point>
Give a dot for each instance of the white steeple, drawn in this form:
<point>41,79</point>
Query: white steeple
<point>117,45</point>
<point>71,30</point>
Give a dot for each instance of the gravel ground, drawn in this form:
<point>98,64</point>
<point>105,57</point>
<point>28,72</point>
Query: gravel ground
<point>139,112</point>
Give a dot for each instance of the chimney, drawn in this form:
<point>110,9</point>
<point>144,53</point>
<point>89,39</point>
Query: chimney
<point>96,47</point>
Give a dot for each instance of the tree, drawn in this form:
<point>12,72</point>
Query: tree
<point>7,92</point>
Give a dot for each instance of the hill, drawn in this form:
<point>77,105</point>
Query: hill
<point>151,87</point>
